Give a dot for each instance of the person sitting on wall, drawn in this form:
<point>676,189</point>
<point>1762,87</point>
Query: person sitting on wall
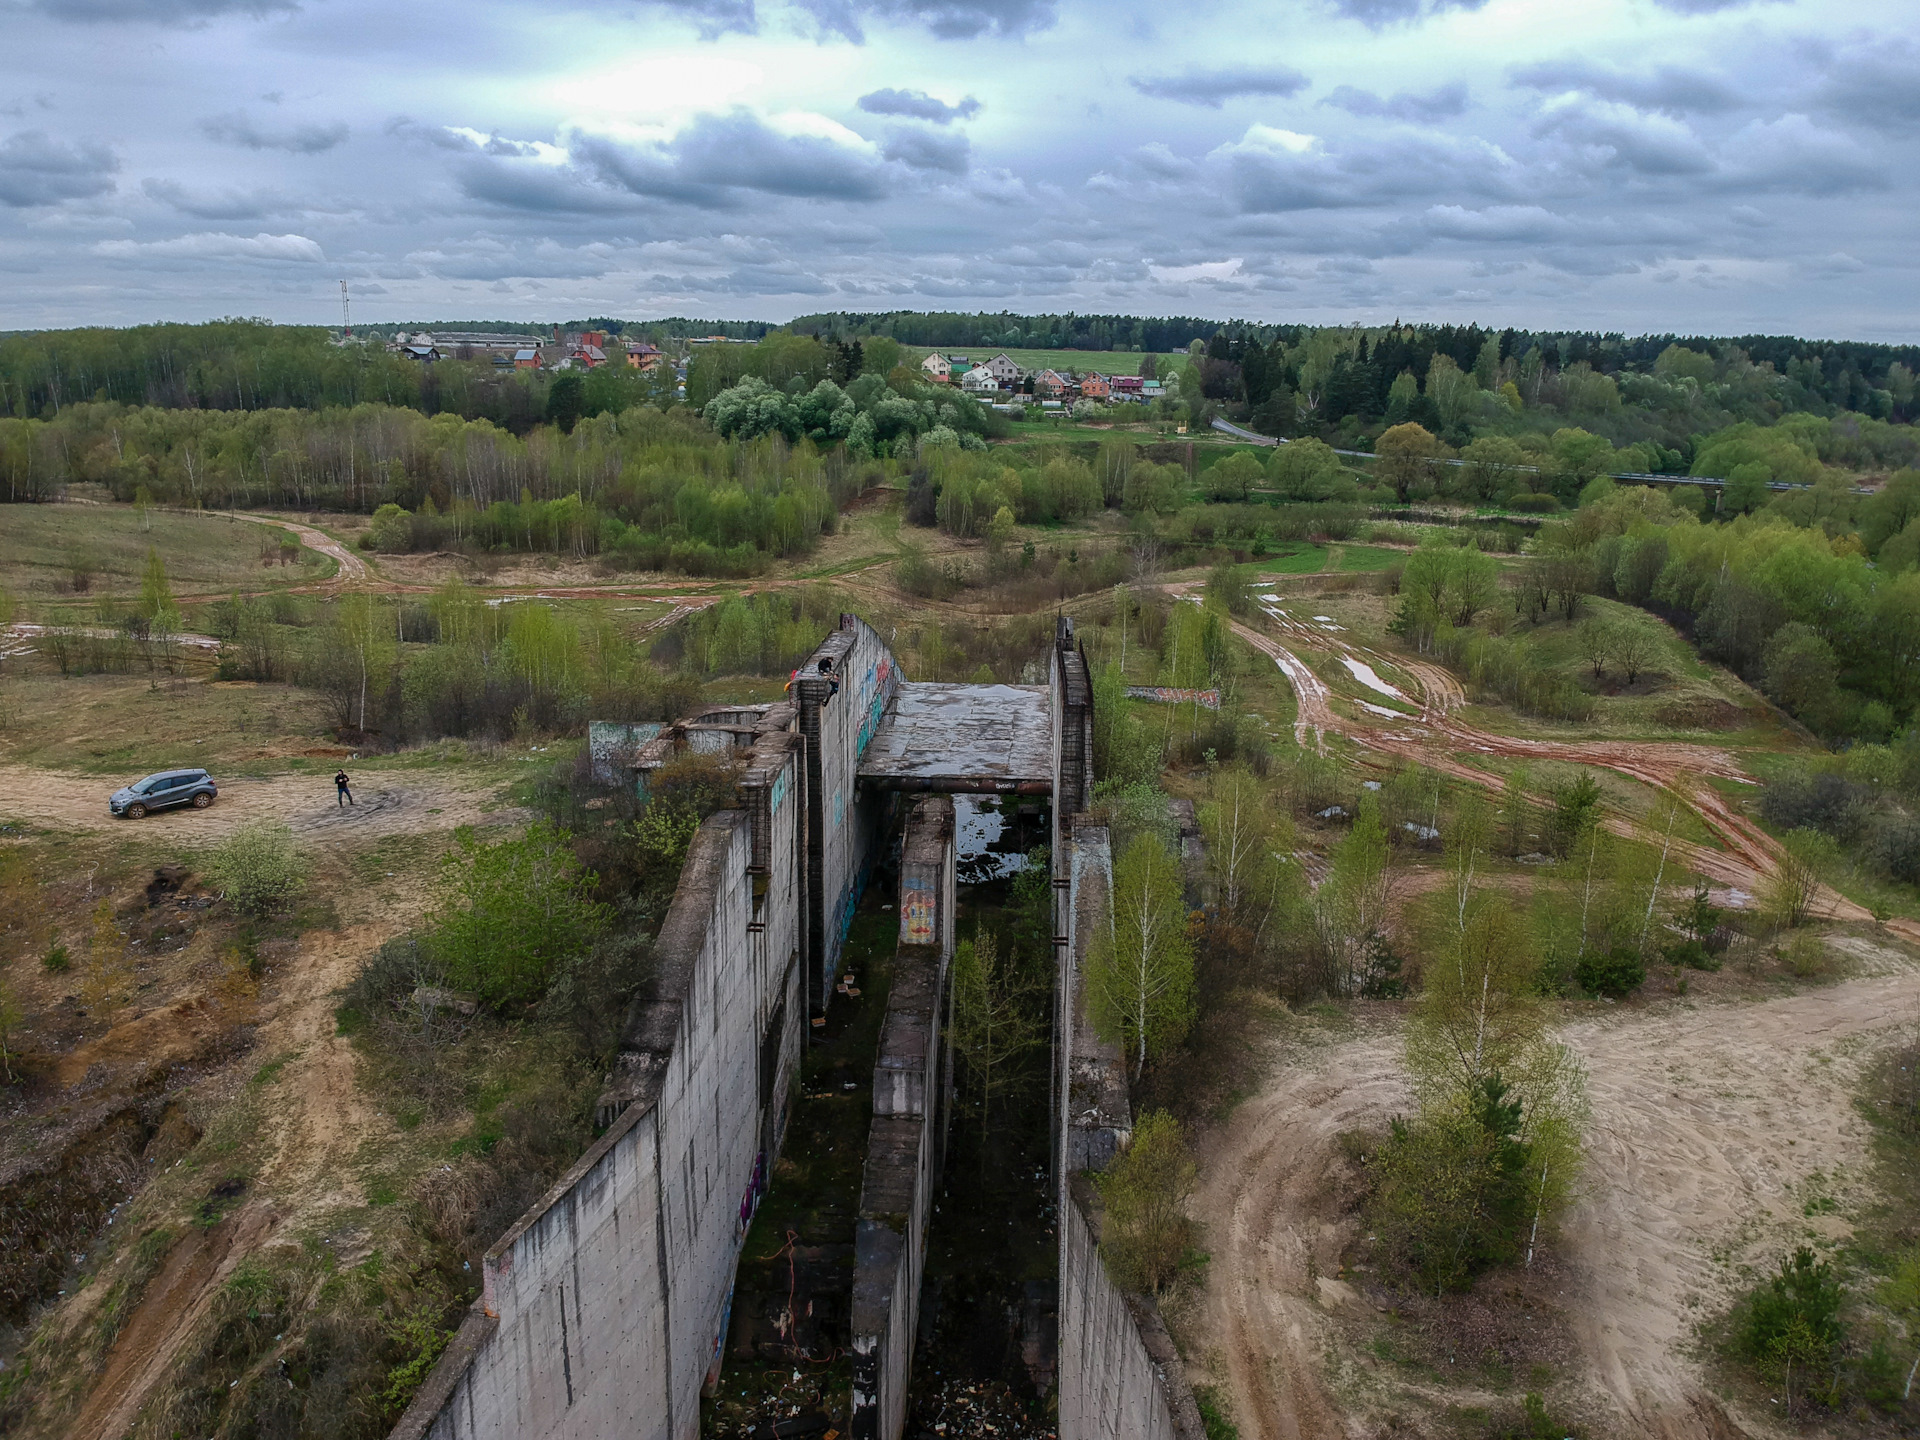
<point>833,680</point>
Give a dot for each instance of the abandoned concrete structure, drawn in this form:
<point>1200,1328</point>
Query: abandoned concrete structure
<point>603,1309</point>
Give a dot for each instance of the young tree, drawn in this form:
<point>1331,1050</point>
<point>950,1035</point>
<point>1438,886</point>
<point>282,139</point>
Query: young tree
<point>1636,647</point>
<point>1237,822</point>
<point>1516,812</point>
<point>1146,1231</point>
<point>156,595</point>
<point>1806,856</point>
<point>1139,974</point>
<point>1350,908</point>
<point>996,1022</point>
<point>1405,457</point>
<point>1596,644</point>
<point>1466,845</point>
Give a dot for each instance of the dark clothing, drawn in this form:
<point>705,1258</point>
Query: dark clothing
<point>343,796</point>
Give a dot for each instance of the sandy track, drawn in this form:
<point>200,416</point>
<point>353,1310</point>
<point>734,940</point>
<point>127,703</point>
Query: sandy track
<point>1750,856</point>
<point>1708,1124</point>
<point>386,803</point>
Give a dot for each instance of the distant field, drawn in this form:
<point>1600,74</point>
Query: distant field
<point>1293,558</point>
<point>40,546</point>
<point>1368,558</point>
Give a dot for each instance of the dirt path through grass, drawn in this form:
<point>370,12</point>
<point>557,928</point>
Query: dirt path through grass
<point>1713,1124</point>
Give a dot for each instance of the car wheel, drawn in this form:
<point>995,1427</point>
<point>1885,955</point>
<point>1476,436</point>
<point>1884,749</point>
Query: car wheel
<point>136,812</point>
<point>202,800</point>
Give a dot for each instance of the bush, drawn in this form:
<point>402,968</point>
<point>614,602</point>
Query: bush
<point>1451,1191</point>
<point>1691,955</point>
<point>516,912</point>
<point>1616,974</point>
<point>57,960</point>
<point>1829,803</point>
<point>1792,1320</point>
<point>1146,1230</point>
<point>1892,847</point>
<point>259,868</point>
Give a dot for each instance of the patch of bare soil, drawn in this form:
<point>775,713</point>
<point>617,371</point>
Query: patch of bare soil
<point>388,803</point>
<point>1713,1127</point>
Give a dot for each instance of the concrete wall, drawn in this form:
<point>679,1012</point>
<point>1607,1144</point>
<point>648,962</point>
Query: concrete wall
<point>1120,1377</point>
<point>603,1307</point>
<point>911,1090</point>
<point>838,724</point>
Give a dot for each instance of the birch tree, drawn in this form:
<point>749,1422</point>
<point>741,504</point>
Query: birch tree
<point>1350,908</point>
<point>996,1023</point>
<point>1139,974</point>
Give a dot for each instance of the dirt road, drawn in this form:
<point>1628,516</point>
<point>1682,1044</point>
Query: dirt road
<point>1713,1126</point>
<point>385,803</point>
<point>1747,860</point>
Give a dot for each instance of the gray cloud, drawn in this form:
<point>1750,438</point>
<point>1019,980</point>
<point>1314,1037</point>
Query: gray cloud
<point>220,205</point>
<point>1616,136</point>
<point>153,12</point>
<point>1793,155</point>
<point>1880,89</point>
<point>1670,89</point>
<point>1441,104</point>
<point>920,150</point>
<point>948,19</point>
<point>1273,172</point>
<point>1705,7</point>
<point>36,169</point>
<point>716,157</point>
<point>1213,88</point>
<point>237,128</point>
<point>918,105</point>
<point>1378,14</point>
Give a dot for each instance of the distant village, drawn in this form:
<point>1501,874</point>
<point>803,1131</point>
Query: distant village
<point>574,350</point>
<point>1000,381</point>
<point>990,380</point>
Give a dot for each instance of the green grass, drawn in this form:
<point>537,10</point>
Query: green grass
<point>1293,557</point>
<point>1368,558</point>
<point>40,543</point>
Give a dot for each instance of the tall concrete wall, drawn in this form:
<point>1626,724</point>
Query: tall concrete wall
<point>911,1093</point>
<point>603,1307</point>
<point>1120,1378</point>
<point>839,710</point>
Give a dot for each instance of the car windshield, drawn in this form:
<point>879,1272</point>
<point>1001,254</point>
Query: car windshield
<point>150,784</point>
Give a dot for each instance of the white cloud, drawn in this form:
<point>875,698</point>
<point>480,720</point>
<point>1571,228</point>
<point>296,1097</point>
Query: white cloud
<point>217,245</point>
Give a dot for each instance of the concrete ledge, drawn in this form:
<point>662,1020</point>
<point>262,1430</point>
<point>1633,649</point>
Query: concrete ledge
<point>428,1401</point>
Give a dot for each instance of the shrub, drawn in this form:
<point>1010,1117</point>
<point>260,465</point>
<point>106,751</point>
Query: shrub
<point>1146,1229</point>
<point>515,912</point>
<point>1806,955</point>
<point>1892,847</point>
<point>57,960</point>
<point>1451,1190</point>
<point>1690,955</point>
<point>1829,803</point>
<point>259,868</point>
<point>1792,1320</point>
<point>1617,973</point>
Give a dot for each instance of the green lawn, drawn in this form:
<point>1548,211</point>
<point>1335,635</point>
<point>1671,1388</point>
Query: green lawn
<point>1369,558</point>
<point>1293,557</point>
<point>42,547</point>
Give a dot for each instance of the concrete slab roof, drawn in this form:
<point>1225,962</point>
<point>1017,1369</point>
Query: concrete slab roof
<point>976,739</point>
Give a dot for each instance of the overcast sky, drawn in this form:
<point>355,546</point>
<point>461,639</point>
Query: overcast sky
<point>1643,165</point>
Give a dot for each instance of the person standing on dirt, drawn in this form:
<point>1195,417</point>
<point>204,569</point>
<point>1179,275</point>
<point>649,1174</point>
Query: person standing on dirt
<point>342,795</point>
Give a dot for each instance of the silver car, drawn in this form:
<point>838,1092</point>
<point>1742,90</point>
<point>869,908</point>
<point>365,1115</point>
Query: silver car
<point>164,791</point>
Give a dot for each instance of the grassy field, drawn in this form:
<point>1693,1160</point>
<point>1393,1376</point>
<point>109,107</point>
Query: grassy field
<point>1293,557</point>
<point>43,547</point>
<point>1366,559</point>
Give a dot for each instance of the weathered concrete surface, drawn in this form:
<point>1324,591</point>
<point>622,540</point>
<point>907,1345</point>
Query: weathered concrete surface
<point>911,1098</point>
<point>981,739</point>
<point>1097,1118</point>
<point>1120,1376</point>
<point>602,1307</point>
<point>840,710</point>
